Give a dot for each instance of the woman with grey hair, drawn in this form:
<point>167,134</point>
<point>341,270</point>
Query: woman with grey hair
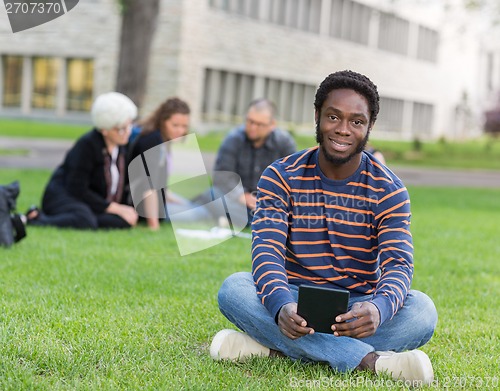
<point>87,190</point>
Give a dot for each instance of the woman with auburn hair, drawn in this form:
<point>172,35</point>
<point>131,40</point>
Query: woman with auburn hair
<point>168,122</point>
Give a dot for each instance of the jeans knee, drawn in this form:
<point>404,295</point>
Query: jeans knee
<point>232,287</point>
<point>237,292</point>
<point>428,314</point>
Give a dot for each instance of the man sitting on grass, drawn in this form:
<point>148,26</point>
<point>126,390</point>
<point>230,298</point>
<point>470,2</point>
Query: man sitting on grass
<point>331,216</point>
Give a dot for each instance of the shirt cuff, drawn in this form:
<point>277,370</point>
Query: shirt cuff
<point>384,306</point>
<point>276,301</point>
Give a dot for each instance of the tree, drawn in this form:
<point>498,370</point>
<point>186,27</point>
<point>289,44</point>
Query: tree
<point>139,21</point>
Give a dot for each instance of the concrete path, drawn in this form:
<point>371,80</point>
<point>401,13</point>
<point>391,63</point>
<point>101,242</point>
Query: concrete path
<point>48,154</point>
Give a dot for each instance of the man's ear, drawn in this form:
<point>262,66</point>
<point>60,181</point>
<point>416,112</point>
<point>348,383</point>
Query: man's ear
<point>316,116</point>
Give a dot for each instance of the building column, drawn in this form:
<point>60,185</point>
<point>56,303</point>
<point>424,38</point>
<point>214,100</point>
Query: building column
<point>1,81</point>
<point>228,106</point>
<point>412,40</point>
<point>297,103</point>
<point>274,14</point>
<point>407,122</point>
<point>27,85</point>
<point>233,6</point>
<point>258,87</point>
<point>374,29</point>
<point>345,32</point>
<point>213,86</point>
<point>273,93</point>
<point>263,6</point>
<point>61,88</point>
<point>325,17</point>
<point>285,100</point>
<point>247,7</point>
<point>308,106</point>
<point>244,96</point>
<point>302,14</point>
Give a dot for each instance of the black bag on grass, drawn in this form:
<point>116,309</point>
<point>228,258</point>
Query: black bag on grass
<point>12,228</point>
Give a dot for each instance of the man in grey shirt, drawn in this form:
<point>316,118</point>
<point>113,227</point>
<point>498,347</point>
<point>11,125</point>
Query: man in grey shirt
<point>250,148</point>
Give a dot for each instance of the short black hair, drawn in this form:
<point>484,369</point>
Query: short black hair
<point>353,81</point>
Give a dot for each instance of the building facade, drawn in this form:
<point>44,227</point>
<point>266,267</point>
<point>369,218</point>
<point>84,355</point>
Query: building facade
<point>434,77</point>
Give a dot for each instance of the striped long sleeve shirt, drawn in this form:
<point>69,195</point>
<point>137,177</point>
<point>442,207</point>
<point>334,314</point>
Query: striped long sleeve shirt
<point>349,234</point>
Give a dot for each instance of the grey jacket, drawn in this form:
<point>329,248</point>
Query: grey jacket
<point>238,155</point>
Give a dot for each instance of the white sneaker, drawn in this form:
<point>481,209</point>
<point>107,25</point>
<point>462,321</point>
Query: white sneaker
<point>234,345</point>
<point>413,366</point>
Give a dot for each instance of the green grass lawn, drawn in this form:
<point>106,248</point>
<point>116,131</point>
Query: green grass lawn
<point>122,310</point>
<point>38,129</point>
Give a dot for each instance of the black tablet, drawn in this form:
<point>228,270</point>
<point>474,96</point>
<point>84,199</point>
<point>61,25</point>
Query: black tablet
<point>320,306</point>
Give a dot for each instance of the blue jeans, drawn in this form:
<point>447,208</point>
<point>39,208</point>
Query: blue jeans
<point>411,327</point>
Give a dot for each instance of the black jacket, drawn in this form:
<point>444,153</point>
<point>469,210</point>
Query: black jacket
<point>85,175</point>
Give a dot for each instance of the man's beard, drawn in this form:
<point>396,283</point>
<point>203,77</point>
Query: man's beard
<point>320,138</point>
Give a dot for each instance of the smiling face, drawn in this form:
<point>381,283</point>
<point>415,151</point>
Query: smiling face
<point>342,130</point>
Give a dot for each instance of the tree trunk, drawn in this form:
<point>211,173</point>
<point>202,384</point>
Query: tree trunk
<point>139,20</point>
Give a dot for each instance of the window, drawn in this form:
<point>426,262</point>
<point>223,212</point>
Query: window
<point>226,95</point>
<point>390,117</point>
<point>393,34</point>
<point>45,74</point>
<point>248,8</point>
<point>427,44</point>
<point>423,117</point>
<point>490,60</point>
<point>350,20</point>
<point>277,11</point>
<point>310,15</point>
<point>12,80</point>
<point>293,100</point>
<point>80,83</point>
<point>220,4</point>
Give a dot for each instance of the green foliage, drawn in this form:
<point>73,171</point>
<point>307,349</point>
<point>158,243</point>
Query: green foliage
<point>114,310</point>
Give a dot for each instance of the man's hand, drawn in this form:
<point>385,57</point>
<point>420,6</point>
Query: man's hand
<point>291,324</point>
<point>363,318</point>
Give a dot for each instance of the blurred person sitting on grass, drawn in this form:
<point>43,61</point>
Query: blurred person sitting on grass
<point>170,121</point>
<point>332,216</point>
<point>248,149</point>
<point>88,190</point>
